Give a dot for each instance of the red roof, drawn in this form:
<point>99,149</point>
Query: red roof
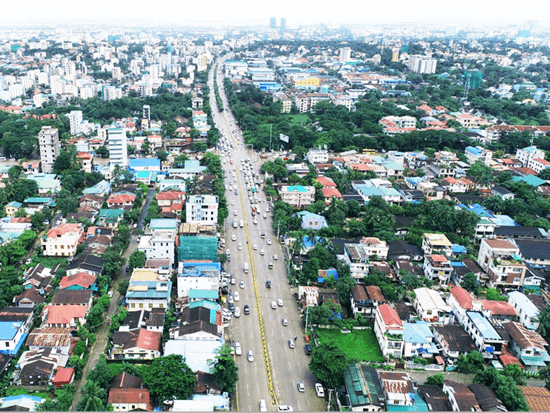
<point>498,308</point>
<point>332,193</point>
<point>499,243</point>
<point>326,182</point>
<point>170,196</point>
<point>508,359</point>
<point>63,376</point>
<point>389,315</point>
<point>438,258</point>
<point>121,198</point>
<point>149,340</point>
<point>463,297</point>
<point>131,396</point>
<point>81,279</point>
<point>64,314</point>
<point>65,229</point>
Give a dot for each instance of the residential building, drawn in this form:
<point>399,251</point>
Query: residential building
<point>418,340</point>
<point>317,155</point>
<point>357,258</point>
<point>538,164</point>
<point>48,140</point>
<point>398,388</point>
<point>63,240</point>
<point>312,221</point>
<point>436,244</point>
<point>365,299</point>
<point>202,209</point>
<point>527,154</point>
<point>364,388</point>
<point>528,346</point>
<point>461,301</point>
<point>87,160</point>
<point>527,311</point>
<point>129,400</point>
<point>430,306</point>
<point>437,268</point>
<point>198,276</point>
<point>12,336</point>
<point>537,398</point>
<point>375,248</point>
<point>138,344</point>
<point>501,260</point>
<point>148,295</point>
<point>118,148</point>
<point>461,398</point>
<point>453,340</point>
<point>64,315</point>
<point>422,64</point>
<point>435,398</point>
<point>75,122</point>
<point>487,339</point>
<point>388,329</point>
<point>297,195</point>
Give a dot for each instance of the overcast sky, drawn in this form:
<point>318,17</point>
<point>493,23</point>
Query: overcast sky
<point>258,12</point>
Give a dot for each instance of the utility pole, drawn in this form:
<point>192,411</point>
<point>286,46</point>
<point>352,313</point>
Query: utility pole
<point>329,394</point>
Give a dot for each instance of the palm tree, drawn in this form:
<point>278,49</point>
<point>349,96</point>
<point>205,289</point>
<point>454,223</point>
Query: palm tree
<point>92,397</point>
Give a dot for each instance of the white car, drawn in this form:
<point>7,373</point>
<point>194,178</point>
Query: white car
<point>230,299</point>
<point>265,216</point>
<point>274,305</point>
<point>275,257</point>
<point>233,237</point>
<point>262,252</point>
<point>301,387</point>
<point>238,349</point>
<point>255,247</point>
<point>284,408</point>
<point>237,312</point>
<point>227,252</point>
<point>241,284</point>
<point>240,247</point>
<point>255,221</point>
<point>233,202</point>
<point>236,296</point>
<point>268,241</point>
<point>319,390</point>
<point>235,212</point>
<point>280,302</point>
<point>250,356</point>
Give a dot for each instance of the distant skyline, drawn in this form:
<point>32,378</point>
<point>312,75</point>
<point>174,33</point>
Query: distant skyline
<point>254,12</point>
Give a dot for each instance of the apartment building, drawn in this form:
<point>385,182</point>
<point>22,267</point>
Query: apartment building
<point>487,339</point>
<point>437,268</point>
<point>63,240</point>
<point>118,147</point>
<point>501,260</point>
<point>297,195</point>
<point>527,154</point>
<point>422,64</point>
<point>202,209</point>
<point>48,140</point>
<point>388,329</point>
<point>436,243</point>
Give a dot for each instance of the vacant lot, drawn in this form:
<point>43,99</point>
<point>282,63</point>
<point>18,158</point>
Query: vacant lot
<point>359,344</point>
<point>298,119</point>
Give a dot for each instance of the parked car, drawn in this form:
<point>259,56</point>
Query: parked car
<point>319,390</point>
<point>307,349</point>
<point>284,408</point>
<point>238,349</point>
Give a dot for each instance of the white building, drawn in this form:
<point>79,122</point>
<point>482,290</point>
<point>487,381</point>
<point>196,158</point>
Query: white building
<point>297,195</point>
<point>430,306</point>
<point>160,245</point>
<point>198,276</point>
<point>48,139</point>
<point>75,120</point>
<point>118,147</point>
<point>202,209</point>
<point>317,155</point>
<point>525,155</point>
<point>422,64</point>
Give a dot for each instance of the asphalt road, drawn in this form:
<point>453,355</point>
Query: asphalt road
<point>286,366</point>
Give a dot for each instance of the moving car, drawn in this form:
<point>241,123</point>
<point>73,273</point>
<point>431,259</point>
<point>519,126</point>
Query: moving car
<point>263,406</point>
<point>233,237</point>
<point>319,390</point>
<point>275,257</point>
<point>255,247</point>
<point>284,321</point>
<point>274,305</point>
<point>250,356</point>
<point>241,284</point>
<point>240,247</point>
<point>246,309</point>
<point>284,408</point>
<point>236,296</point>
<point>301,386</point>
<point>262,252</point>
<point>290,343</point>
<point>279,302</point>
<point>268,241</point>
<point>268,284</point>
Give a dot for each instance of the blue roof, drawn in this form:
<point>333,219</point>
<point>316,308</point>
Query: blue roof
<point>151,290</point>
<point>143,174</point>
<point>203,294</point>
<point>418,332</point>
<point>144,163</point>
<point>505,220</point>
<point>8,329</point>
<point>473,150</point>
<point>163,223</point>
<point>458,249</point>
<point>529,180</point>
<point>478,210</point>
<point>330,272</point>
<point>524,303</point>
<point>484,326</point>
<point>297,188</point>
<point>368,190</point>
<point>310,242</point>
<point>457,264</point>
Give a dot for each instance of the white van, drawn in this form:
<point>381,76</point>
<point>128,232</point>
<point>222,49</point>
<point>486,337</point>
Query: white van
<point>246,268</point>
<point>263,406</point>
<point>241,223</point>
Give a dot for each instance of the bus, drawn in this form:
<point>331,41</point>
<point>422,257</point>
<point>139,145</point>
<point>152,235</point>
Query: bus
<point>369,151</point>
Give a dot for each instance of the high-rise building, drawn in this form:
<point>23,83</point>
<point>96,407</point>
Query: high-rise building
<point>118,147</point>
<point>75,121</point>
<point>147,112</point>
<point>283,24</point>
<point>422,64</point>
<point>395,55</point>
<point>472,79</point>
<point>273,22</point>
<point>345,54</point>
<point>48,140</point>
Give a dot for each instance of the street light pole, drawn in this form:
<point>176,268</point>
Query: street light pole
<point>329,394</point>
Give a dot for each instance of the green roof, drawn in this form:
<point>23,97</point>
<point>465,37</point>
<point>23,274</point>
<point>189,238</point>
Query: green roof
<point>206,294</point>
<point>529,180</point>
<point>198,248</point>
<point>38,200</point>
<point>111,215</point>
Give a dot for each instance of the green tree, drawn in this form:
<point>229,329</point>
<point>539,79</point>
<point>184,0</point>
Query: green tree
<point>470,282</point>
<point>544,322</point>
<point>504,387</point>
<point>137,260</point>
<point>162,155</point>
<point>123,286</point>
<point>328,363</point>
<point>169,377</point>
<point>435,380</point>
<point>93,398</point>
<point>493,295</point>
<point>101,373</point>
<point>224,369</point>
<point>471,362</point>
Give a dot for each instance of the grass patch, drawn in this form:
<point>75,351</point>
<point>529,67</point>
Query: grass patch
<point>298,119</point>
<point>49,262</point>
<point>13,391</point>
<point>359,344</point>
